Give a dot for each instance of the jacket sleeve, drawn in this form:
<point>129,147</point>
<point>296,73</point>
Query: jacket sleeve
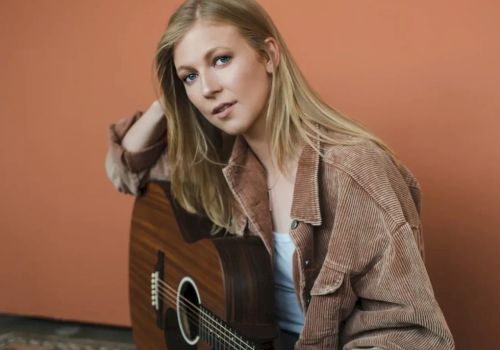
<point>396,308</point>
<point>129,171</point>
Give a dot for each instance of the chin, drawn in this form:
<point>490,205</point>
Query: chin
<point>233,130</point>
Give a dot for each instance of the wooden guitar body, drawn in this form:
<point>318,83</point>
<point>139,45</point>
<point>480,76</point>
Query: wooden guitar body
<point>191,292</point>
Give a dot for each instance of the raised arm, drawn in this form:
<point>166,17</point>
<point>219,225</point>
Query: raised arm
<point>137,150</point>
<point>146,131</point>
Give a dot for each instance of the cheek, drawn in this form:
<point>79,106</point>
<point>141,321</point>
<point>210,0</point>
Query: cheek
<point>259,88</point>
<point>194,99</point>
<point>252,84</point>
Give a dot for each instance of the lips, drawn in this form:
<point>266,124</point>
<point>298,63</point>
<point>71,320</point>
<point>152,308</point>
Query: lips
<point>222,107</point>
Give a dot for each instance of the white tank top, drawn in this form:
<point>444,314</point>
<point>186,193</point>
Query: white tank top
<point>288,311</point>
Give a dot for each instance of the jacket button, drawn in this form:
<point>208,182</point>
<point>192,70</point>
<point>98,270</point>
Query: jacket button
<point>308,301</point>
<point>306,262</point>
<point>294,224</point>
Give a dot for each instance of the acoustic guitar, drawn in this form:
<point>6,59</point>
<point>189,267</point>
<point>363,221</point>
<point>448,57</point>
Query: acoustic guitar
<point>188,290</point>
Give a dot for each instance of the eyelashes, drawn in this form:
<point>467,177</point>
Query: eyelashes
<point>225,58</point>
<point>217,61</point>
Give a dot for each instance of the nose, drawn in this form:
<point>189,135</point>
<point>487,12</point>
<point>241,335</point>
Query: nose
<point>210,85</point>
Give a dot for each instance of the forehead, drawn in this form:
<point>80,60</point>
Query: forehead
<point>202,37</point>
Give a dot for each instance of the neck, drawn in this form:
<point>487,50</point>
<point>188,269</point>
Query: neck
<point>261,149</point>
<point>258,141</point>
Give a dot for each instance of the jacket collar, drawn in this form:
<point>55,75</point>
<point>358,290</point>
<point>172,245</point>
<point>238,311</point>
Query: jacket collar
<point>246,178</point>
<point>305,206</point>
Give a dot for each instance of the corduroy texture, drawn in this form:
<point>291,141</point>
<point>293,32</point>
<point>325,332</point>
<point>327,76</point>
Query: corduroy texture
<point>358,267</point>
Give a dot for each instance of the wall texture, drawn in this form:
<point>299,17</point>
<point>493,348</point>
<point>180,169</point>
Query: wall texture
<point>423,75</point>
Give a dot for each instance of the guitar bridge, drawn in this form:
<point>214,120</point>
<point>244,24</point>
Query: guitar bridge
<point>155,300</point>
<point>156,297</point>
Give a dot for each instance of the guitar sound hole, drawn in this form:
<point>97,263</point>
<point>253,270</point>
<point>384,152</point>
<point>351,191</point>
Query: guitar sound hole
<point>188,314</point>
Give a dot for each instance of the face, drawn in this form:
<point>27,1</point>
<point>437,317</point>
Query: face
<point>224,77</point>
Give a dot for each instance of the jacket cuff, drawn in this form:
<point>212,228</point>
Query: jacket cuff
<point>133,161</point>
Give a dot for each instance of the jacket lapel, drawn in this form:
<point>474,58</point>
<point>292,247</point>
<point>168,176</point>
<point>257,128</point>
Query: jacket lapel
<point>305,205</point>
<point>246,178</point>
<point>305,215</point>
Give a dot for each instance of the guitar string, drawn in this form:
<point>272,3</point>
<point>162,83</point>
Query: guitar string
<point>222,330</point>
<point>221,335</point>
<point>216,335</point>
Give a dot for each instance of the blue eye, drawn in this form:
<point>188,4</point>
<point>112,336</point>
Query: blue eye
<point>189,78</point>
<point>218,61</point>
<point>222,59</point>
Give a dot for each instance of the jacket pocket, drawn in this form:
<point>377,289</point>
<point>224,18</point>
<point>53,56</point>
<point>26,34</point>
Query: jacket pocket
<point>321,326</point>
<point>328,281</point>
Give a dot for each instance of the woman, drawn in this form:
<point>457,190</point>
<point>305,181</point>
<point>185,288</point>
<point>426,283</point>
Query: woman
<point>251,146</point>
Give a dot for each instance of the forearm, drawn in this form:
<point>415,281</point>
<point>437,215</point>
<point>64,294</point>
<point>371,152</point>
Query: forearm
<point>146,130</point>
<point>397,308</point>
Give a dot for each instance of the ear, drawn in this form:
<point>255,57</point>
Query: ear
<point>273,52</point>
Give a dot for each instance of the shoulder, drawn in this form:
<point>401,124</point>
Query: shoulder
<point>367,166</point>
<point>362,159</point>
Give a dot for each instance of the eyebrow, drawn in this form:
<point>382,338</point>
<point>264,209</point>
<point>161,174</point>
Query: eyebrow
<point>205,57</point>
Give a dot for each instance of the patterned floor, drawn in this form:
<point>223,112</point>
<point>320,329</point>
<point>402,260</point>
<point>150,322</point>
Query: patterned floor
<point>30,341</point>
<point>23,333</point>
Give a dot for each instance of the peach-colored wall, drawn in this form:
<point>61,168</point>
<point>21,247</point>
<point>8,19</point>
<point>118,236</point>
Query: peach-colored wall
<point>423,75</point>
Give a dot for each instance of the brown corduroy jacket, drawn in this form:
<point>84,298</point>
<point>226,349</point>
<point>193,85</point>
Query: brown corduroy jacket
<point>358,268</point>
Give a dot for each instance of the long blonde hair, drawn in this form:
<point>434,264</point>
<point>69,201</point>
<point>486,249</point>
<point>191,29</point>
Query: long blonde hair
<point>197,151</point>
